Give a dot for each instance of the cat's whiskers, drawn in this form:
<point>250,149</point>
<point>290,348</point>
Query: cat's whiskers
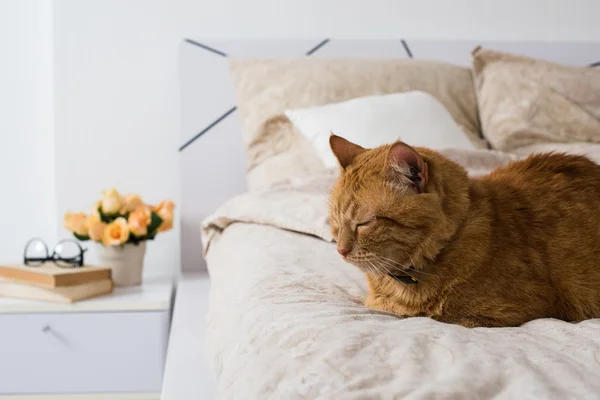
<point>371,267</point>
<point>361,259</point>
<point>381,275</point>
<point>402,269</point>
<point>375,265</point>
<point>397,264</point>
<point>405,271</point>
<point>405,285</point>
<point>366,262</point>
<point>380,266</point>
<point>410,258</point>
<point>383,266</point>
<point>388,266</point>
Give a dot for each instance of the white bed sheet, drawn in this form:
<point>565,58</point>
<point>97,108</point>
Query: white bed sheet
<point>286,319</point>
<point>288,323</point>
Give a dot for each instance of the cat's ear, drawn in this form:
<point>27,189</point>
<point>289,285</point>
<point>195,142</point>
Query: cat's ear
<point>344,150</point>
<point>401,156</point>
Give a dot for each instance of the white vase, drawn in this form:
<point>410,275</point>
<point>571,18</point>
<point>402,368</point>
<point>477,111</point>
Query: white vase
<point>126,262</point>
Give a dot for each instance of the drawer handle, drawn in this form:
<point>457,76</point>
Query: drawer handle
<point>61,338</point>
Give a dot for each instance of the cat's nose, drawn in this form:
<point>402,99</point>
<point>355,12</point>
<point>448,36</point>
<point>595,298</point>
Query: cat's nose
<point>344,251</point>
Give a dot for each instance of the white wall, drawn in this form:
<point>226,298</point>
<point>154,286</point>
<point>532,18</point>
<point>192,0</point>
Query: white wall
<point>535,20</point>
<point>117,108</point>
<point>116,85</point>
<point>26,126</point>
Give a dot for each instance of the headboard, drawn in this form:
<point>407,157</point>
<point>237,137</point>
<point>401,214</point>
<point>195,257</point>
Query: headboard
<point>213,163</point>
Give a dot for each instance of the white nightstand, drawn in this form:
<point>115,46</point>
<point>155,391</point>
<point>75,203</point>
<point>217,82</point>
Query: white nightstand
<point>112,346</point>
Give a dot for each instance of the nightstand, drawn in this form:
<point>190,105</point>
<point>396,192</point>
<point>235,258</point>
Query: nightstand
<point>113,346</point>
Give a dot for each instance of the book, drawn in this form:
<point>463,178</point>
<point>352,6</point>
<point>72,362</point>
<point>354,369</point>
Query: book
<point>64,294</point>
<point>51,275</point>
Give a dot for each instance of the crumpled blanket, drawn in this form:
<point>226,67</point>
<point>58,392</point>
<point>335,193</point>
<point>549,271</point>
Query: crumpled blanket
<point>286,319</point>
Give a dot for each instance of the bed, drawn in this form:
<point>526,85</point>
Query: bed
<point>285,315</point>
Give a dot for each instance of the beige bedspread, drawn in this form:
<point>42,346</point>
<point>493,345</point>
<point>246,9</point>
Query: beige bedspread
<point>286,319</point>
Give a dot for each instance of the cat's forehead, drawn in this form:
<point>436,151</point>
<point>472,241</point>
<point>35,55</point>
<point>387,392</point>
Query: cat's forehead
<point>360,176</point>
<point>359,196</point>
<point>352,207</point>
<point>364,182</point>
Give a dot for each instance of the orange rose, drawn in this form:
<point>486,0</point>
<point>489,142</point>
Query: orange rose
<point>75,223</point>
<point>139,220</point>
<point>130,203</point>
<point>165,211</point>
<point>116,233</point>
<point>167,217</point>
<point>111,202</point>
<point>168,204</point>
<point>96,231</point>
<point>145,211</point>
<point>91,220</point>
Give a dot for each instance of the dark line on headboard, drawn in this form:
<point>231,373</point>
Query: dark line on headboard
<point>408,52</point>
<point>317,47</point>
<point>596,64</point>
<point>215,122</point>
<point>205,47</point>
<point>222,117</point>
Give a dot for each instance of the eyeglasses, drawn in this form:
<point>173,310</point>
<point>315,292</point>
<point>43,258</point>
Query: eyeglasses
<point>66,254</point>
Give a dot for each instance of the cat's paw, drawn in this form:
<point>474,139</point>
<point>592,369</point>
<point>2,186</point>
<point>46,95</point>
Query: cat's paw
<point>383,304</point>
<point>370,301</point>
<point>377,303</point>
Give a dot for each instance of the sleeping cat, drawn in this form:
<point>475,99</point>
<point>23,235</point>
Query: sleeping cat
<point>519,244</point>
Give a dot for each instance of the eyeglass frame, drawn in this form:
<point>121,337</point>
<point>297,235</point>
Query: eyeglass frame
<point>75,262</point>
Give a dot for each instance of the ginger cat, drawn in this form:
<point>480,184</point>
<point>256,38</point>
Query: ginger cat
<point>519,244</point>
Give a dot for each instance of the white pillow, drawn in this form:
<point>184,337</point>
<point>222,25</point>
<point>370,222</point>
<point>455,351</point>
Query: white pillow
<point>416,118</point>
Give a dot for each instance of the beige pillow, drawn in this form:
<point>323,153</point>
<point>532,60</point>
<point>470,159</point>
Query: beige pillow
<point>265,88</point>
<point>523,101</point>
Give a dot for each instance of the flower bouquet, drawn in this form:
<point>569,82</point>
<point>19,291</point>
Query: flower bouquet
<point>120,226</point>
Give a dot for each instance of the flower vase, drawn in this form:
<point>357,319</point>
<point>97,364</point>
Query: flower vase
<point>126,262</point>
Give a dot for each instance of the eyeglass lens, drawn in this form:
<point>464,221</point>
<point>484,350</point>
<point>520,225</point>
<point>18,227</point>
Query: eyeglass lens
<point>36,252</point>
<point>67,253</point>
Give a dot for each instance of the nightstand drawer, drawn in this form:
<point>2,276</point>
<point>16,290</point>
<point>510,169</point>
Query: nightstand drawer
<point>83,352</point>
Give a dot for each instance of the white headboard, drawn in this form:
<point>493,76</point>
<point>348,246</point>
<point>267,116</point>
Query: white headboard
<point>212,159</point>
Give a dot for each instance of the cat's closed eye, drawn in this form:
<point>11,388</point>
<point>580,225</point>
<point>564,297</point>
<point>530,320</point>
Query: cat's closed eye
<point>363,225</point>
<point>394,222</point>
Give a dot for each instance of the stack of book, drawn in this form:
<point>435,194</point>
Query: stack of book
<point>52,283</point>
